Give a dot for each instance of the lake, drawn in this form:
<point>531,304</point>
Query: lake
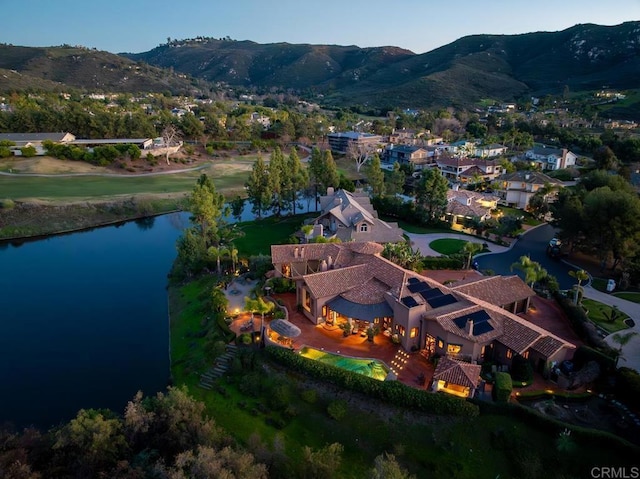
<point>84,320</point>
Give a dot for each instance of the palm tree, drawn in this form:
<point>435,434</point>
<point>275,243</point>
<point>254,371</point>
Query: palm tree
<point>532,270</point>
<point>233,254</point>
<point>581,275</point>
<point>622,340</point>
<point>218,252</point>
<point>307,230</point>
<point>471,249</point>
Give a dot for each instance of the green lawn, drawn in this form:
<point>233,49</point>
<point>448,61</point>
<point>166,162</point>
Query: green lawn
<point>259,235</point>
<point>226,180</point>
<point>629,296</point>
<point>597,313</point>
<point>600,284</point>
<point>447,246</point>
<point>528,219</point>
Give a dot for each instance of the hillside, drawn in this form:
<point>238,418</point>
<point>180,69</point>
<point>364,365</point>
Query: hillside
<point>49,68</point>
<point>503,67</point>
<point>499,67</point>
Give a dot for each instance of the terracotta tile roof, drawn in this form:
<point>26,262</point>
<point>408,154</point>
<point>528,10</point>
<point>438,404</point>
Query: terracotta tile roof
<point>286,253</point>
<point>369,292</point>
<point>547,346</point>
<point>498,290</point>
<point>335,281</point>
<point>518,336</point>
<point>457,372</point>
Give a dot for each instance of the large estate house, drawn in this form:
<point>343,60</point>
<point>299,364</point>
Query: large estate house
<point>351,217</point>
<point>352,283</point>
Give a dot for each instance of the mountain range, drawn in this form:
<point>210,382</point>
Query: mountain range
<point>497,67</point>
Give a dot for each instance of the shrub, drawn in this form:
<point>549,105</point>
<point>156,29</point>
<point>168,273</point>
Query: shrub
<point>502,388</point>
<point>337,409</point>
<point>7,204</point>
<point>584,354</point>
<point>309,396</point>
<point>245,338</point>
<point>441,262</point>
<point>521,370</point>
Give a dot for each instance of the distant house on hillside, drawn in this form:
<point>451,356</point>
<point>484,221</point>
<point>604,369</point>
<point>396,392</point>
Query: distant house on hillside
<point>490,151</point>
<point>351,217</point>
<point>35,140</point>
<point>461,170</point>
<point>548,158</point>
<point>414,155</point>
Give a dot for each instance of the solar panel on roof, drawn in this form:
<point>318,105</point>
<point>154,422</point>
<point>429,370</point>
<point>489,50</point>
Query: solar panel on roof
<point>414,280</point>
<point>417,287</point>
<point>480,322</point>
<point>441,300</point>
<point>431,293</point>
<point>481,328</point>
<point>409,302</point>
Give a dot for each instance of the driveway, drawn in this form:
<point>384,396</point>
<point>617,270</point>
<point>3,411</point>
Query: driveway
<point>421,242</point>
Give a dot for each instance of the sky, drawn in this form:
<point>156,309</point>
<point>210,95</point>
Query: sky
<point>417,25</point>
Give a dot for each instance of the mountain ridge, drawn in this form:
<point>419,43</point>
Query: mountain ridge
<point>461,73</point>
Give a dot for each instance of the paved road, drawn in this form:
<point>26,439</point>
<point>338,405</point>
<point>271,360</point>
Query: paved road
<point>533,243</point>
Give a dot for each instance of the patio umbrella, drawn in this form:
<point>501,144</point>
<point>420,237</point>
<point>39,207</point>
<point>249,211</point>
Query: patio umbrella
<point>285,328</point>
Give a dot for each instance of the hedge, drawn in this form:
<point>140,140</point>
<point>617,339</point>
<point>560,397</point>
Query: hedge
<point>628,387</point>
<point>393,392</point>
<point>502,387</point>
<point>441,262</point>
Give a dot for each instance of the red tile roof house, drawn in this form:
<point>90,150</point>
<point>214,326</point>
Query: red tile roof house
<point>351,282</point>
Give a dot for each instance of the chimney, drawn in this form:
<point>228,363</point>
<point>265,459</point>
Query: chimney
<point>323,265</point>
<point>470,327</point>
<point>302,252</point>
<point>295,252</point>
<point>330,261</point>
<point>330,190</point>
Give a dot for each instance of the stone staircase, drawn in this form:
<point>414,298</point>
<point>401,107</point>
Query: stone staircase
<point>219,368</point>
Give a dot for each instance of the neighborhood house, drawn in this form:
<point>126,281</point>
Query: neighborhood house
<point>338,283</point>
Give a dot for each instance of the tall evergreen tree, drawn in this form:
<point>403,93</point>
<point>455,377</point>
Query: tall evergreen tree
<point>431,195</point>
<point>330,175</point>
<point>375,176</point>
<point>278,180</point>
<point>258,187</point>
<point>394,182</point>
<point>299,179</point>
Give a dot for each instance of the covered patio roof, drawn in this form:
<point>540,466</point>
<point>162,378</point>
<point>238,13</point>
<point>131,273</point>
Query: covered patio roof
<point>366,312</point>
<point>285,328</point>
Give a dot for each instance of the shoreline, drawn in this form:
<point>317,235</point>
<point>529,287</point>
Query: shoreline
<point>32,221</point>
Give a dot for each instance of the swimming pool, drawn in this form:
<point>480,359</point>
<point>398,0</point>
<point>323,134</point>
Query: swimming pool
<point>372,368</point>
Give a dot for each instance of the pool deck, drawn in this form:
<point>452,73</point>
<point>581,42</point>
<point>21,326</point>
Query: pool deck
<point>333,340</point>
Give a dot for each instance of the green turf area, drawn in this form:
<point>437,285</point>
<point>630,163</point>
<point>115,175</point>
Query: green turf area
<point>527,218</point>
<point>598,312</point>
<point>629,296</point>
<point>70,188</point>
<point>447,246</point>
<point>259,235</point>
<point>600,284</point>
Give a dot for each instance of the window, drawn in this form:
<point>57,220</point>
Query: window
<point>509,354</point>
<point>525,355</point>
<point>324,311</point>
<point>440,343</point>
<point>454,348</point>
<point>286,270</point>
<point>307,299</point>
<point>401,330</point>
<point>413,333</point>
<point>363,228</point>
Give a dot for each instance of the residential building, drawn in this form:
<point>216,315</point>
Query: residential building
<point>464,205</point>
<point>35,140</point>
<point>340,142</point>
<point>456,377</point>
<point>417,156</point>
<point>351,217</point>
<point>516,189</point>
<point>548,158</point>
<point>490,151</point>
<point>466,170</point>
<point>353,283</point>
